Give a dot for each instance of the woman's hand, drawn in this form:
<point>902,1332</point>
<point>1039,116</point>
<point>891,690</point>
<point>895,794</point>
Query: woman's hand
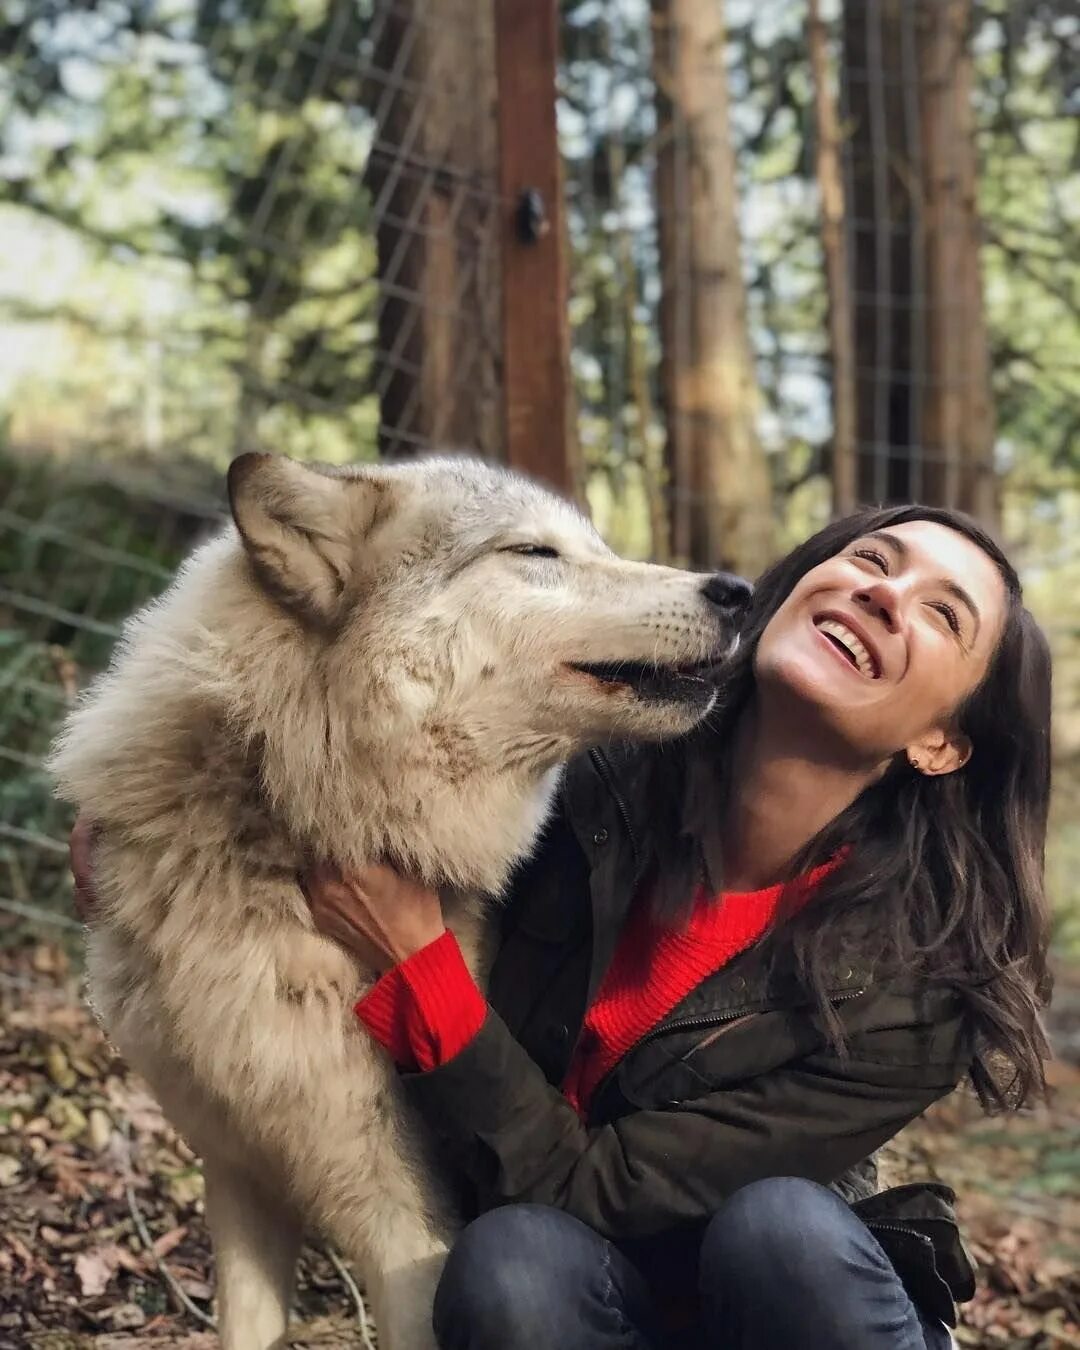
<point>80,851</point>
<point>378,915</point>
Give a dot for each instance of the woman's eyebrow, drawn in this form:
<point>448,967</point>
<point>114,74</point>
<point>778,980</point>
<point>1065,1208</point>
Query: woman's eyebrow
<point>903,552</point>
<point>891,541</point>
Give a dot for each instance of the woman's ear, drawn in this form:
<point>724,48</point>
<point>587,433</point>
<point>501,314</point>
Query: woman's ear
<point>943,750</point>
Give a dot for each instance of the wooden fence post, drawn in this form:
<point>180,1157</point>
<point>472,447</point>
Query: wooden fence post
<point>537,427</point>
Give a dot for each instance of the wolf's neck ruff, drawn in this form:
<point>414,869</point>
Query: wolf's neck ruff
<point>356,796</point>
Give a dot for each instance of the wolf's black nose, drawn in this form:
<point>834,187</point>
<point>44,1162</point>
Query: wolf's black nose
<point>726,591</point>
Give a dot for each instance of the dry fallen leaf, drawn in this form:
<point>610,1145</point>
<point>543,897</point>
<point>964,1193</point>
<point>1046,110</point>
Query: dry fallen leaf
<point>167,1241</point>
<point>98,1129</point>
<point>58,1068</point>
<point>95,1269</point>
<point>10,1170</point>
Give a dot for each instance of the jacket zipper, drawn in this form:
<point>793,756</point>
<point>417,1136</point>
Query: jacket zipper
<point>876,1227</point>
<point>604,770</point>
<point>702,1021</point>
<point>715,1019</point>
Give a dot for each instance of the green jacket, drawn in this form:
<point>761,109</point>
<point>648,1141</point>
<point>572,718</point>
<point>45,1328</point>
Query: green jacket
<point>736,1084</point>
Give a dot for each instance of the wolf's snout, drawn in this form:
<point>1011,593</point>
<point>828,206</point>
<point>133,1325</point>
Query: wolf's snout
<point>728,593</point>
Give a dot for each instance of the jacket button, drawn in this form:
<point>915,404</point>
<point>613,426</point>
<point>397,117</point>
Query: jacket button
<point>601,836</point>
<point>558,1035</point>
<point>739,983</point>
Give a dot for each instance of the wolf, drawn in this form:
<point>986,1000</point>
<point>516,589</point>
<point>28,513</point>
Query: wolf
<point>386,662</point>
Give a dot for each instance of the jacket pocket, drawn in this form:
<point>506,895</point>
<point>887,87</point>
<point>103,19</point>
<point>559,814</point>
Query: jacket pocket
<point>684,1064</point>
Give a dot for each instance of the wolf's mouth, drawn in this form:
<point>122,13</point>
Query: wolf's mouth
<point>668,684</point>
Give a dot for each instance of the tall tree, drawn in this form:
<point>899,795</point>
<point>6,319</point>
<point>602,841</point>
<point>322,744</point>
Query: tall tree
<point>924,420</point>
<point>721,497</point>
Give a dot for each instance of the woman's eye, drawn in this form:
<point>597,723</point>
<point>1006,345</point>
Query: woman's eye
<point>532,550</point>
<point>951,617</point>
<point>872,555</point>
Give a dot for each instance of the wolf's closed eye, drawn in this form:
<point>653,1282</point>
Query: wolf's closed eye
<point>532,550</point>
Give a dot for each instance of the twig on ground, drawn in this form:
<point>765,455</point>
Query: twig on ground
<point>163,1270</point>
<point>169,1279</point>
<point>354,1293</point>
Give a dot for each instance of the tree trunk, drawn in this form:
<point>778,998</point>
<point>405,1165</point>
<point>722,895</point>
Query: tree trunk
<point>924,417</point>
<point>432,174</point>
<point>837,270</point>
<point>958,410</point>
<point>721,500</point>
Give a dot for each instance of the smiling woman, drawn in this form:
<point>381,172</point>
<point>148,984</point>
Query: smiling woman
<point>739,965</point>
<point>943,869</point>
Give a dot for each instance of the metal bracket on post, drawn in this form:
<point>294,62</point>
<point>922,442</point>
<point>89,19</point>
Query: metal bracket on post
<point>532,221</point>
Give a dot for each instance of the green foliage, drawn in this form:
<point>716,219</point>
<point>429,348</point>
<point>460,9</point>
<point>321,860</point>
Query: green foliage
<point>1029,141</point>
<point>205,162</point>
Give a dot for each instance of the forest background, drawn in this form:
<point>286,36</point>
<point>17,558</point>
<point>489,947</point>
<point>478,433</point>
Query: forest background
<point>793,255</point>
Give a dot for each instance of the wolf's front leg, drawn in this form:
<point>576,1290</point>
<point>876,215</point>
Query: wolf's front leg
<point>363,1182</point>
<point>397,1255</point>
<point>402,1296</point>
<point>256,1243</point>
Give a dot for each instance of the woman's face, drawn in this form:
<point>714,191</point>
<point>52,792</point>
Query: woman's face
<point>887,639</point>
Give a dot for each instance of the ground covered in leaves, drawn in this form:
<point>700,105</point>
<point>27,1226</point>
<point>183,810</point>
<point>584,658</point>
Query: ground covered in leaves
<point>103,1243</point>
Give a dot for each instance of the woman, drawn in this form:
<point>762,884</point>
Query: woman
<point>739,965</point>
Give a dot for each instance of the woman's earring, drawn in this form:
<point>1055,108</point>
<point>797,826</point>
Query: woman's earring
<point>913,762</point>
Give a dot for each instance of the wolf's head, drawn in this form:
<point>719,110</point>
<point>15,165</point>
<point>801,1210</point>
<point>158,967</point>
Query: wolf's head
<point>447,593</point>
<point>468,628</point>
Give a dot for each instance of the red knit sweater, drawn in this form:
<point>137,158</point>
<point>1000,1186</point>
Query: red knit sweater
<point>428,1008</point>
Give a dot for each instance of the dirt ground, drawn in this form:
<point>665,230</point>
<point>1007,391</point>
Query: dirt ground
<point>103,1243</point>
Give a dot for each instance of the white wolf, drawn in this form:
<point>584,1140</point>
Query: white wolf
<point>384,662</point>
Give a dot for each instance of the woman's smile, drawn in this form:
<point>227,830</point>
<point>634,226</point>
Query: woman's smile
<point>850,642</point>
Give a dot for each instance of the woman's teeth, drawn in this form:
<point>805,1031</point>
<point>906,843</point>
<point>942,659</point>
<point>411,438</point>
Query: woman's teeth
<point>845,638</point>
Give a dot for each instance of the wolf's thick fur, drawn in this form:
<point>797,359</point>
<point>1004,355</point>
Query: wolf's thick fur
<point>370,664</point>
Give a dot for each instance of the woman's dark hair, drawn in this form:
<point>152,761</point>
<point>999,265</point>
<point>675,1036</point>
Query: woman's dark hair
<point>942,877</point>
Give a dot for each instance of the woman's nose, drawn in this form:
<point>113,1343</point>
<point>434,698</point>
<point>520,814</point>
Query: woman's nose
<point>882,599</point>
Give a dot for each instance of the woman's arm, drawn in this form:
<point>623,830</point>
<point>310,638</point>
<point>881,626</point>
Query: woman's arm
<point>80,854</point>
<point>520,1140</point>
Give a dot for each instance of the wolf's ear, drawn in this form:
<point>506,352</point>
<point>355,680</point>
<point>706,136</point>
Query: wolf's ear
<point>299,529</point>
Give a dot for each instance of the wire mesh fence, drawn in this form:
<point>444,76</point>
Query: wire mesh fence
<point>268,224</point>
<point>78,554</point>
<point>228,225</point>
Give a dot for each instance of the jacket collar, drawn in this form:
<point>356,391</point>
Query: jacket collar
<point>606,799</point>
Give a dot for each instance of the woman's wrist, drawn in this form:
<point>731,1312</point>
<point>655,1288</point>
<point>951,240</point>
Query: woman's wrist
<point>380,917</point>
<point>404,947</point>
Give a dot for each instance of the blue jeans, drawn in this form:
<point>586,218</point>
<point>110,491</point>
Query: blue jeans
<point>784,1265</point>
